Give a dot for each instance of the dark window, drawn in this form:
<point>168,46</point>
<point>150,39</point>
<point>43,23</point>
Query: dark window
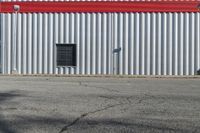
<point>66,54</point>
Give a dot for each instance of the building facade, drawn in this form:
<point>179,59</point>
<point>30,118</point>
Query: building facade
<point>154,39</point>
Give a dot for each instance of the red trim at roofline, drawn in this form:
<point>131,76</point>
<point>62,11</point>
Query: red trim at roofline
<point>7,7</point>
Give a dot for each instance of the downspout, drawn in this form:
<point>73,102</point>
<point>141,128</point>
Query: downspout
<point>16,8</point>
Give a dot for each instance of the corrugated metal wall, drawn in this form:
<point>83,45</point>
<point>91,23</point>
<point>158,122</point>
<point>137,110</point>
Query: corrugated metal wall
<point>0,44</point>
<point>151,43</point>
<point>38,33</point>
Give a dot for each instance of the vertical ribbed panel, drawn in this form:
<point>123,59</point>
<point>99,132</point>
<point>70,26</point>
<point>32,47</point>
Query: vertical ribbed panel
<point>0,43</point>
<point>38,34</point>
<point>148,43</point>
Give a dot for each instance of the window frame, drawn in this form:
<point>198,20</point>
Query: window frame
<point>74,55</point>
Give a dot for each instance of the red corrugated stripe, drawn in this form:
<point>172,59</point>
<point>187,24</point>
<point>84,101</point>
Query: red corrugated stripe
<point>101,6</point>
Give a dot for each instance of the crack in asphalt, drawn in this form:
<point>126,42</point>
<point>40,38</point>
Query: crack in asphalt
<point>87,114</point>
<point>145,97</point>
<point>128,101</point>
<point>65,128</point>
<point>98,87</point>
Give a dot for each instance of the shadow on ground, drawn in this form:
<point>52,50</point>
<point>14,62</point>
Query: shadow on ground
<point>4,97</point>
<point>88,125</point>
<point>82,123</point>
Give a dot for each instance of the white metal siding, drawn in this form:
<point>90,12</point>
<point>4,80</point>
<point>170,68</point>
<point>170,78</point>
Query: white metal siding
<point>151,43</point>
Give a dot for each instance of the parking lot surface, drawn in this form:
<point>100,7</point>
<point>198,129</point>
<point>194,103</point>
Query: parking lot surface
<point>99,105</point>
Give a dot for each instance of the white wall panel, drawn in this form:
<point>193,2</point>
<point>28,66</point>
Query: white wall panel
<point>151,43</point>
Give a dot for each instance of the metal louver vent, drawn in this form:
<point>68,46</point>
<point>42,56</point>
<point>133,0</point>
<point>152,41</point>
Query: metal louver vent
<point>66,54</point>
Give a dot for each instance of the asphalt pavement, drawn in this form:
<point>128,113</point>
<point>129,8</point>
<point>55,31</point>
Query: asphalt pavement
<point>38,104</point>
